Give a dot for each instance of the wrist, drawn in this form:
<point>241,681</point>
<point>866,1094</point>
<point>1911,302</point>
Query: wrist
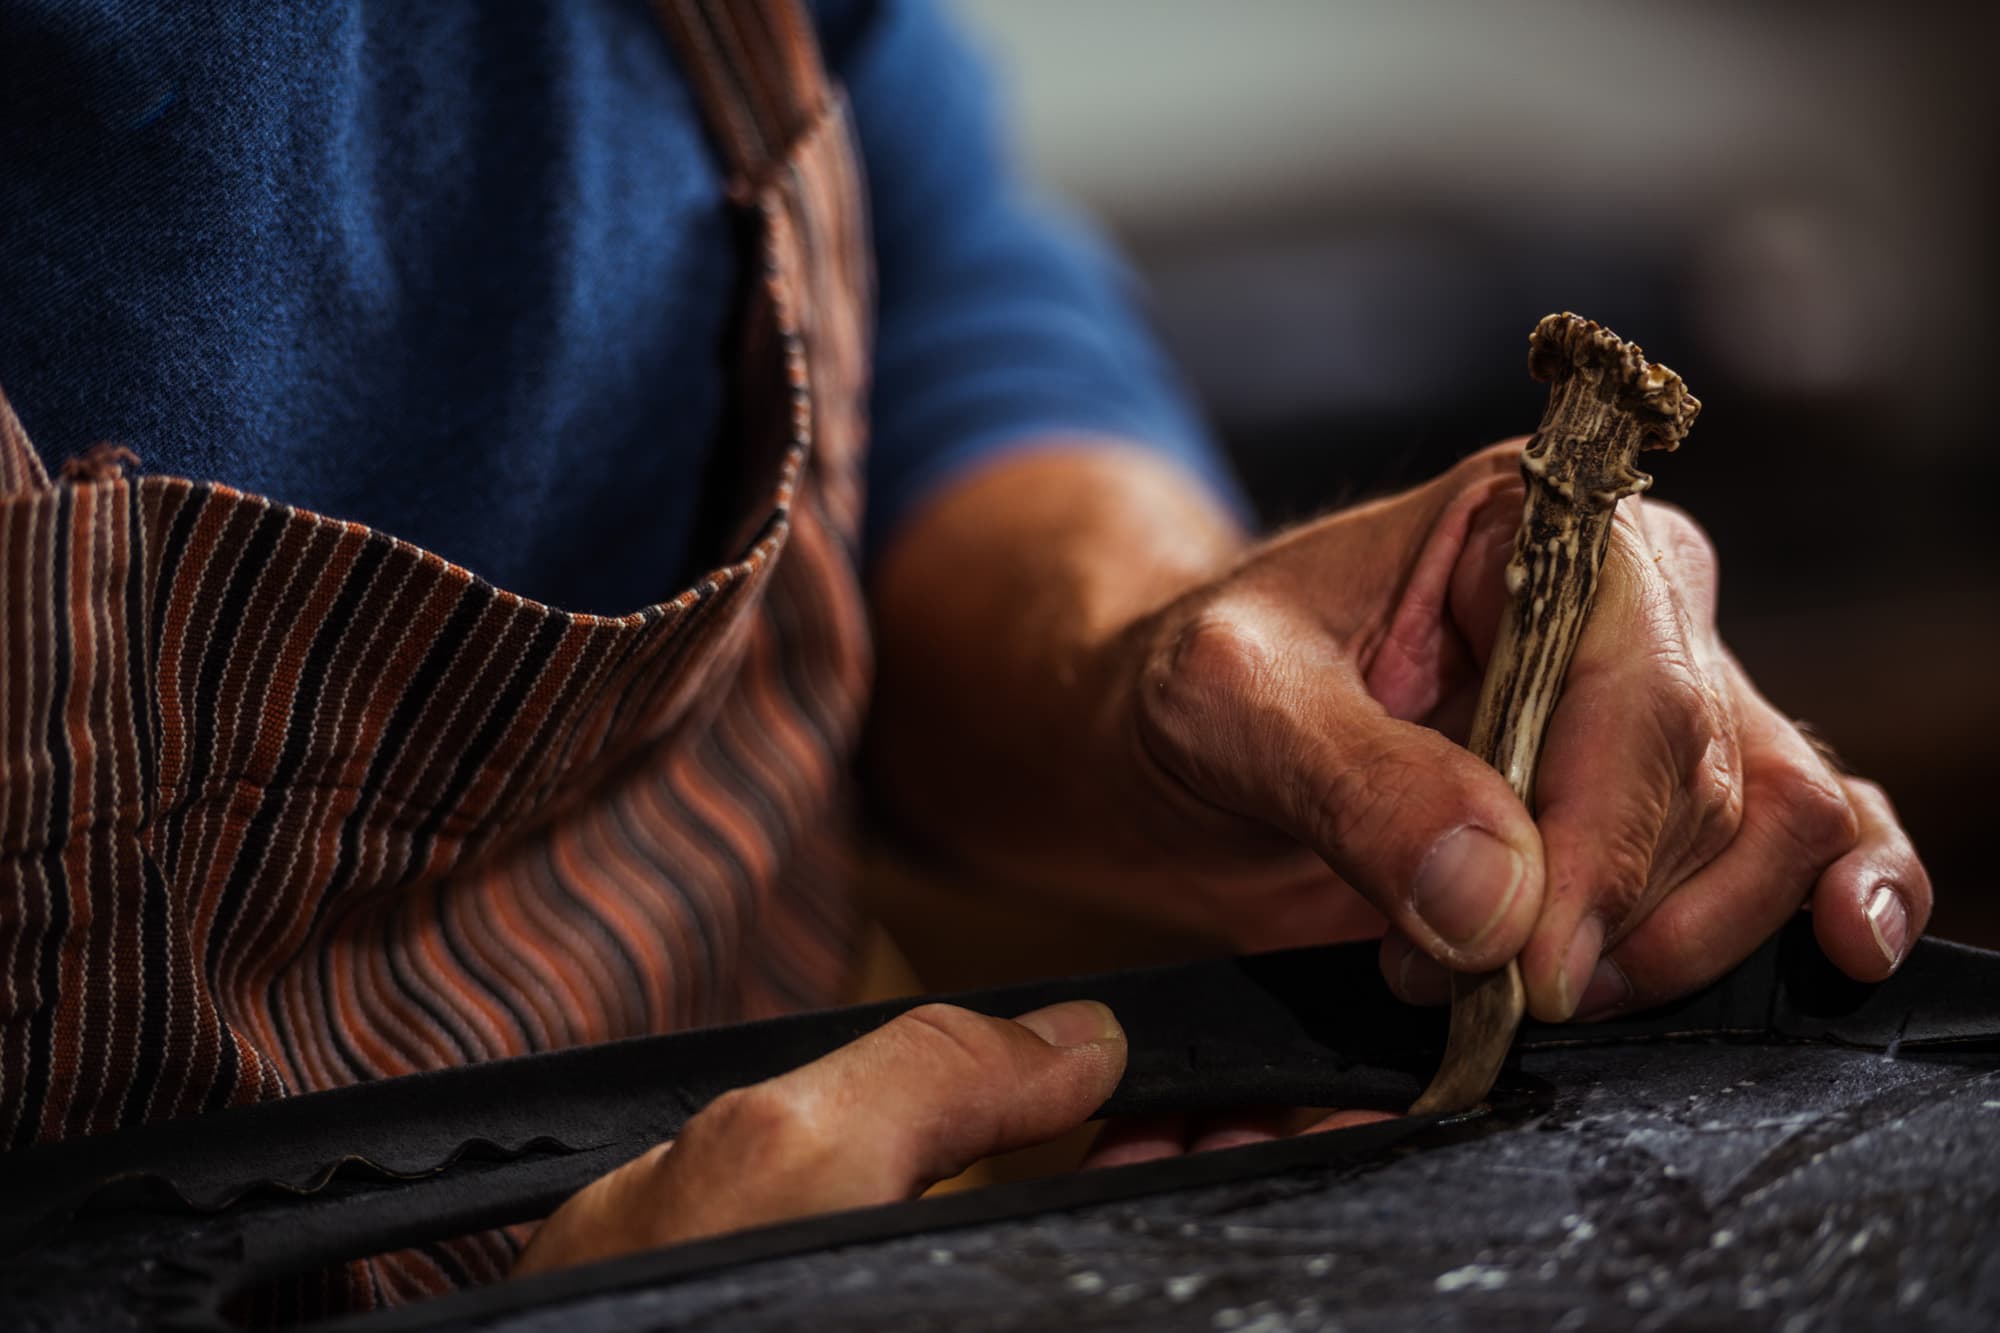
<point>1008,610</point>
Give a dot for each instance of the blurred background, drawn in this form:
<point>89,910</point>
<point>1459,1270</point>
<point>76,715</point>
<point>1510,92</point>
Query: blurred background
<point>1349,215</point>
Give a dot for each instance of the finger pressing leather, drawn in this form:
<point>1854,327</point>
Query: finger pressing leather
<point>1870,906</point>
<point>919,1099</point>
<point>882,1118</point>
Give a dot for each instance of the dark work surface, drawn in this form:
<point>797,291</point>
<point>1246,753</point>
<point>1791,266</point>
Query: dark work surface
<point>1686,1184</point>
<point>1782,1146</point>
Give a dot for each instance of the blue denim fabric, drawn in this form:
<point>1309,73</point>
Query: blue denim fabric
<point>462,271</point>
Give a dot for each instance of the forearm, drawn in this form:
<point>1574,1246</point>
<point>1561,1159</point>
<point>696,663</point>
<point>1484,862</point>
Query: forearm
<point>995,605</point>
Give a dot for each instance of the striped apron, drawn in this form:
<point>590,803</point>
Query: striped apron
<point>286,803</point>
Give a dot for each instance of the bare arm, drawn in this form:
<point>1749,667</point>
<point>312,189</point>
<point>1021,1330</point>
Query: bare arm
<point>997,611</point>
<point>1090,678</point>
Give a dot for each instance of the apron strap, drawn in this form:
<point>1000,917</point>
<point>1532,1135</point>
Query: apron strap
<point>756,70</point>
<point>20,466</point>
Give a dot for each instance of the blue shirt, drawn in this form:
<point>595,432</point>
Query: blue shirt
<point>461,271</point>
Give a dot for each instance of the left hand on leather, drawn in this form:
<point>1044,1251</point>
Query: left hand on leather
<point>881,1119</point>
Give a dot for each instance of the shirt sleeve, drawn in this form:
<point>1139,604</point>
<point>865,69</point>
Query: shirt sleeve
<point>1001,319</point>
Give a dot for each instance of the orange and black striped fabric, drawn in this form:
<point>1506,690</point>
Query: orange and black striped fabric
<point>286,803</point>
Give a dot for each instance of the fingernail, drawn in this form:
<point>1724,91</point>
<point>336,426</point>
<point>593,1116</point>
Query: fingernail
<point>1073,1023</point>
<point>1608,990</point>
<point>1465,884</point>
<point>1890,921</point>
<point>1580,963</point>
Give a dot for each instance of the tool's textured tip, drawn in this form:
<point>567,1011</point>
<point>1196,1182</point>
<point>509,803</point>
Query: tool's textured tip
<point>1566,344</point>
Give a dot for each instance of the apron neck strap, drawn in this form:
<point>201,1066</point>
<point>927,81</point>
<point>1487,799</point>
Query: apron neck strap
<point>20,466</point>
<point>756,69</point>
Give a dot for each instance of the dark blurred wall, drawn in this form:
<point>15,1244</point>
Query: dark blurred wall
<point>1350,215</point>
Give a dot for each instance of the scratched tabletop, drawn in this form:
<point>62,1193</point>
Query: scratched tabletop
<point>1660,1182</point>
<point>1663,1186</point>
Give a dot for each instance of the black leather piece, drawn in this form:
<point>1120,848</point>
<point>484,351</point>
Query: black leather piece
<point>289,1185</point>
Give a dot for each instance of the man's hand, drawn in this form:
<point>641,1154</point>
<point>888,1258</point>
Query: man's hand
<point>914,1102</point>
<point>1244,740</point>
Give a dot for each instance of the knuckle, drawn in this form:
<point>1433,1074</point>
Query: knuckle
<point>957,1048</point>
<point>783,1127</point>
<point>1223,664</point>
<point>1218,652</point>
<point>1864,793</point>
<point>946,1035</point>
<point>1685,711</point>
<point>1815,815</point>
<point>1716,794</point>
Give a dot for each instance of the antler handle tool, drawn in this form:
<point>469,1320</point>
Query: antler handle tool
<point>1607,403</point>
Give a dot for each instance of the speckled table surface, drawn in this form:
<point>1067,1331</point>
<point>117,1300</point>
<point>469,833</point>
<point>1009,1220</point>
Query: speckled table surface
<point>1676,1185</point>
<point>1691,1173</point>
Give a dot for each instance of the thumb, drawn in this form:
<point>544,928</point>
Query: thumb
<point>881,1119</point>
<point>1264,714</point>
